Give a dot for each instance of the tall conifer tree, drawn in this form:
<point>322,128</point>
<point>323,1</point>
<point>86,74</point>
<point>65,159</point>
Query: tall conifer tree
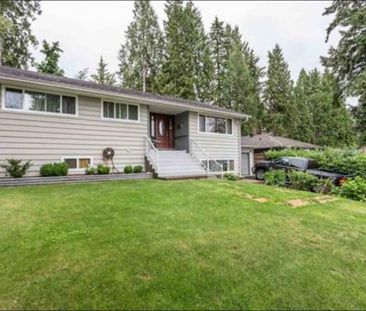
<point>278,94</point>
<point>141,55</point>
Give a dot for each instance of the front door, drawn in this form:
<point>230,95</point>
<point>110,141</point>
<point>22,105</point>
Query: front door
<point>162,130</point>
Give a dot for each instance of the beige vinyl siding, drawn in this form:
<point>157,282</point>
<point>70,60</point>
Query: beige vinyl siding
<point>219,146</point>
<point>44,138</point>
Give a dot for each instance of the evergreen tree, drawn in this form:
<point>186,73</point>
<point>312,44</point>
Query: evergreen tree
<point>303,122</point>
<point>202,63</point>
<point>256,73</point>
<point>141,55</point>
<point>82,74</point>
<point>177,76</point>
<point>347,60</point>
<point>218,56</point>
<point>16,37</point>
<point>103,76</point>
<point>50,64</point>
<point>278,95</point>
<point>322,117</point>
<point>187,67</point>
<point>238,88</point>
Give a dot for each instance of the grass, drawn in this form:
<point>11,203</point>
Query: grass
<point>179,245</point>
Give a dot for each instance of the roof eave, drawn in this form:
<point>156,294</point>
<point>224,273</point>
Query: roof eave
<point>142,99</point>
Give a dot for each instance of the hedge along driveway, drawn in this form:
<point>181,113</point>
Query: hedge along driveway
<point>183,245</point>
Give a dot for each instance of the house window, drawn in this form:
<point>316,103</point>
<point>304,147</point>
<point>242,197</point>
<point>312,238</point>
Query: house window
<point>77,163</point>
<point>227,165</point>
<point>113,110</point>
<point>215,125</point>
<point>27,100</point>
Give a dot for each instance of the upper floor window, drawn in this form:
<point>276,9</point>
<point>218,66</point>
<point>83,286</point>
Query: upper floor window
<point>114,110</point>
<point>215,125</point>
<point>27,100</point>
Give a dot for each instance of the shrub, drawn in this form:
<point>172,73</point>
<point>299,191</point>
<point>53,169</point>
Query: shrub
<point>15,169</point>
<point>231,176</point>
<point>138,169</point>
<point>103,169</point>
<point>90,171</point>
<point>128,169</point>
<point>54,169</point>
<point>302,181</point>
<point>354,189</point>
<point>275,178</point>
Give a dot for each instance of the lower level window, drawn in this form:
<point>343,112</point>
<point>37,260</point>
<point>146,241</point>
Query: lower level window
<point>227,165</point>
<point>77,162</point>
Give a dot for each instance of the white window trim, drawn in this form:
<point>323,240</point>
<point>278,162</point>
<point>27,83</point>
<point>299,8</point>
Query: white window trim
<point>228,164</point>
<point>77,158</point>
<point>210,133</point>
<point>117,119</point>
<point>55,114</point>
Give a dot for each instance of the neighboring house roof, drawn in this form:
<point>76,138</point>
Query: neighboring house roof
<point>13,74</point>
<point>267,141</point>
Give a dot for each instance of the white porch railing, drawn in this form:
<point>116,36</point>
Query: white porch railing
<point>201,155</point>
<point>152,153</point>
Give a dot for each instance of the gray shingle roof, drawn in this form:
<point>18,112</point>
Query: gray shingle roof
<point>32,76</point>
<point>267,141</point>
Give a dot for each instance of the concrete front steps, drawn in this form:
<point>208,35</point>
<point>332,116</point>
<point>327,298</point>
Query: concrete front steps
<point>178,164</point>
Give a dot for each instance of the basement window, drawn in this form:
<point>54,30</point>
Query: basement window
<point>77,163</point>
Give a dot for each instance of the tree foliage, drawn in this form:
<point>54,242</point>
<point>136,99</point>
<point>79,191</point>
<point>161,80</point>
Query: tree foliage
<point>278,94</point>
<point>82,74</point>
<point>141,55</point>
<point>50,64</point>
<point>16,37</point>
<point>347,60</point>
<point>102,75</point>
<point>186,70</point>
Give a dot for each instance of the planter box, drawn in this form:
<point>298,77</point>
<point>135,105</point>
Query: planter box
<point>24,181</point>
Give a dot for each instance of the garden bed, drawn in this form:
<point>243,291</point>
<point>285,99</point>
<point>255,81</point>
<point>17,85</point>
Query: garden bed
<point>38,180</point>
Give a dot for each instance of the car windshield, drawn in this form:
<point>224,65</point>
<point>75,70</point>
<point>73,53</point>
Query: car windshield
<point>281,161</point>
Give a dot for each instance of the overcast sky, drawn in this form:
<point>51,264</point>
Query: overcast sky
<point>87,30</point>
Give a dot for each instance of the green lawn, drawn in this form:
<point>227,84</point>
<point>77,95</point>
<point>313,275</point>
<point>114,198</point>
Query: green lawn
<point>179,245</point>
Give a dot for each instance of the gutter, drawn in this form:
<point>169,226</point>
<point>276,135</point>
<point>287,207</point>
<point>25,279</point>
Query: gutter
<point>140,99</point>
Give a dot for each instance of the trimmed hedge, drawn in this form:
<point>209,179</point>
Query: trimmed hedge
<point>347,161</point>
<point>54,169</point>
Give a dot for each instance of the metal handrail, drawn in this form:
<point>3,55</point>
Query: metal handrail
<point>149,146</point>
<point>207,157</point>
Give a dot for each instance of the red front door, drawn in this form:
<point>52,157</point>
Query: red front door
<point>162,130</point>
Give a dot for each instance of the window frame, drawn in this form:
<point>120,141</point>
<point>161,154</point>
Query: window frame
<point>214,133</point>
<point>77,158</point>
<point>118,119</point>
<point>223,160</point>
<point>49,113</point>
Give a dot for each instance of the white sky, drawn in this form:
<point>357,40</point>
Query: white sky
<point>88,29</point>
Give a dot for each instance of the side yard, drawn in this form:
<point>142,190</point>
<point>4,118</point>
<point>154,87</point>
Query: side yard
<point>204,244</point>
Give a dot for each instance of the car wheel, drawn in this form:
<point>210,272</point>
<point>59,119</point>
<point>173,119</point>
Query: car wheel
<point>259,174</point>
